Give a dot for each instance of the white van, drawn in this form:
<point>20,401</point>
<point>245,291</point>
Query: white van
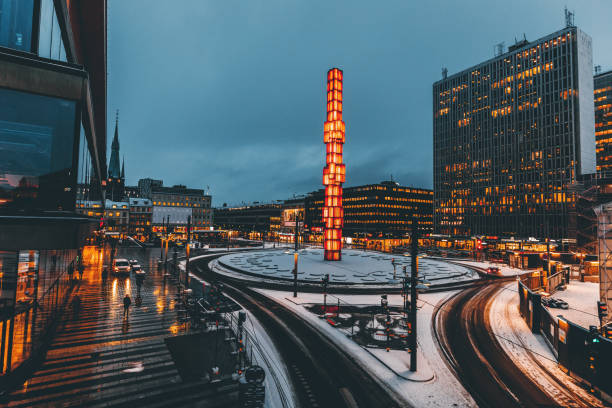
<point>121,265</point>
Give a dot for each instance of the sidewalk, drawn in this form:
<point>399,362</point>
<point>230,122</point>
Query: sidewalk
<point>531,353</point>
<point>101,359</point>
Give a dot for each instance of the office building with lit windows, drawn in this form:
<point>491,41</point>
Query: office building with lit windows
<point>179,202</point>
<point>52,139</point>
<point>140,218</point>
<point>603,121</point>
<point>379,210</point>
<point>262,218</point>
<point>510,135</point>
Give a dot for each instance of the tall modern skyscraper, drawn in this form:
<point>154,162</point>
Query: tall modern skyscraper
<point>510,134</point>
<point>334,173</point>
<point>603,121</point>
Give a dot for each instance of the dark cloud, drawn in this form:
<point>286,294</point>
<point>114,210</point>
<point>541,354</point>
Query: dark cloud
<point>231,94</point>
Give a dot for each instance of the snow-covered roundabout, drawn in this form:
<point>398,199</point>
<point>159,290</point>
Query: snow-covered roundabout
<point>356,269</point>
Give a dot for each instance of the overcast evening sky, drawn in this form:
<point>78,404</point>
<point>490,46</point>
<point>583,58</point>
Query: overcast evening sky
<point>231,93</point>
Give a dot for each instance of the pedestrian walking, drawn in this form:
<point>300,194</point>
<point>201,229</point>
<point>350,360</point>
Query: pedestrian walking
<point>81,268</point>
<point>104,274</point>
<point>126,305</point>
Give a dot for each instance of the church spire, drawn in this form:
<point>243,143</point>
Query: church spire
<point>123,169</point>
<point>113,165</point>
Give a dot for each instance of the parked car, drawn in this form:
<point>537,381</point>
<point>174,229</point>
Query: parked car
<point>555,303</point>
<point>121,266</point>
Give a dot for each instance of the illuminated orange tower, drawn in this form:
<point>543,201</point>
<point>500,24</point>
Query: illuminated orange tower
<point>334,172</point>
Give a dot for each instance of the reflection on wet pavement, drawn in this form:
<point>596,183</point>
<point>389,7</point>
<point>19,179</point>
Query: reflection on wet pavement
<point>99,358</point>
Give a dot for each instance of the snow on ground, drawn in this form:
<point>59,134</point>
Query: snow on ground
<point>433,385</point>
<point>530,352</point>
<point>279,390</point>
<point>504,270</point>
<point>356,267</point>
<point>582,299</point>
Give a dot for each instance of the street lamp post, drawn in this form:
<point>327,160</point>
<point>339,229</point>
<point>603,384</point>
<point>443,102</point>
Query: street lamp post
<point>187,252</point>
<point>166,247</point>
<point>296,238</point>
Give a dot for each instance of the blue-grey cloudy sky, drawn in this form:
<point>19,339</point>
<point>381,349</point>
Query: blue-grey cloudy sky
<point>231,93</point>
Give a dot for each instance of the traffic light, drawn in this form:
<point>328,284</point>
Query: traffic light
<point>592,349</point>
<point>607,331</point>
<point>602,310</point>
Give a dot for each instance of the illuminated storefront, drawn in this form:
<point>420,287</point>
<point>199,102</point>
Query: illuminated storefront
<point>334,173</point>
<point>510,135</point>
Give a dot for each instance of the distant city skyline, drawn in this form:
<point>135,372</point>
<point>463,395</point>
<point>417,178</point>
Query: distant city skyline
<point>233,97</point>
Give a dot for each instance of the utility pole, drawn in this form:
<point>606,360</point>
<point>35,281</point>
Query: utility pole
<point>163,246</point>
<point>295,274</point>
<point>405,291</point>
<point>414,273</point>
<point>384,303</point>
<point>166,248</point>
<point>547,260</point>
<point>297,216</point>
<point>325,281</point>
<point>187,252</point>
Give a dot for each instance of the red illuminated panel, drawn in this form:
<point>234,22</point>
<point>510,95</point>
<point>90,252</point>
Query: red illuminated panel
<point>334,172</point>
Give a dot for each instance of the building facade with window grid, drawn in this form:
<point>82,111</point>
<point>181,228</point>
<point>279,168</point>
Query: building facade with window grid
<point>377,209</point>
<point>179,196</point>
<point>262,218</point>
<point>510,135</point>
<point>603,121</point>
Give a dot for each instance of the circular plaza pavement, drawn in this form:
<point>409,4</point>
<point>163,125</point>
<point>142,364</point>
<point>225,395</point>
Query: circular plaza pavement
<point>356,267</point>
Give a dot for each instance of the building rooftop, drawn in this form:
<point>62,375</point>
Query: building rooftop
<point>603,74</point>
<point>141,202</point>
<point>116,204</point>
<point>177,189</point>
<point>519,46</point>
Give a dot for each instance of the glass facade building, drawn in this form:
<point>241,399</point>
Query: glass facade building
<point>510,135</point>
<point>52,139</point>
<point>37,151</point>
